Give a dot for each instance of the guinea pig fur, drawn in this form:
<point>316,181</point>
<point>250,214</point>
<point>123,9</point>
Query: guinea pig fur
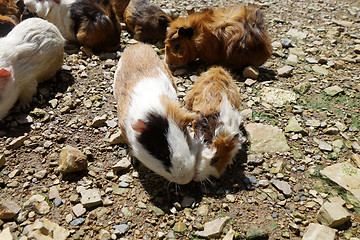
<point>216,100</point>
<point>235,36</point>
<point>56,12</point>
<point>96,24</point>
<point>9,7</point>
<point>154,124</point>
<point>6,24</point>
<point>147,21</point>
<point>31,53</point>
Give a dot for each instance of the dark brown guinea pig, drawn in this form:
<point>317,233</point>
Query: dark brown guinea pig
<point>147,21</point>
<point>6,24</point>
<point>9,7</point>
<point>235,36</point>
<point>96,24</point>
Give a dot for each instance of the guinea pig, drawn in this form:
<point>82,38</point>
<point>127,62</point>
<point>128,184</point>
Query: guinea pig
<point>31,53</point>
<point>235,36</point>
<point>6,24</point>
<point>56,12</point>
<point>153,123</point>
<point>96,24</point>
<point>9,7</point>
<point>92,23</point>
<point>216,100</point>
<point>147,21</point>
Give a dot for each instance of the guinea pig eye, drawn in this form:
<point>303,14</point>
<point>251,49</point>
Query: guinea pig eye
<point>214,160</point>
<point>176,47</point>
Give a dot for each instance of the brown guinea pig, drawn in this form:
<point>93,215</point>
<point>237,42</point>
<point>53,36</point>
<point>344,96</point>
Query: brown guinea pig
<point>216,100</point>
<point>6,24</point>
<point>147,21</point>
<point>9,7</point>
<point>96,24</point>
<point>235,36</point>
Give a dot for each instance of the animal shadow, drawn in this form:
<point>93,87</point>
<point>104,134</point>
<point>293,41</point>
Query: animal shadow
<point>45,92</point>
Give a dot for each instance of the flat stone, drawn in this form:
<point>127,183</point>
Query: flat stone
<point>116,138</point>
<point>277,97</point>
<point>213,229</point>
<point>123,164</point>
<point>285,71</point>
<point>90,198</point>
<point>324,146</point>
<point>331,131</point>
<point>53,193</point>
<point>229,235</point>
<point>249,82</point>
<point>157,211</point>
<point>14,173</point>
<point>2,160</point>
<point>104,235</point>
<point>266,138</point>
<point>292,59</point>
<point>283,186</point>
<point>251,72</point>
<point>71,160</point>
<point>332,214</point>
<point>320,70</point>
<point>333,90</point>
<point>180,227</point>
<point>122,228</point>
<point>9,209</point>
<point>57,201</point>
<point>38,113</point>
<point>296,34</point>
<point>302,87</point>
<point>77,221</point>
<point>319,232</point>
<point>41,174</point>
<point>46,229</point>
<point>293,126</point>
<point>256,233</point>
<point>203,210</point>
<point>355,147</point>
<point>79,210</point>
<point>37,203</point>
<point>345,175</point>
<point>99,121</point>
<point>17,142</point>
<point>342,23</point>
<point>6,234</point>
<point>356,159</point>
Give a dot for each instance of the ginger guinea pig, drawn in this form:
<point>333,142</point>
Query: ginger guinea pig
<point>147,21</point>
<point>235,36</point>
<point>216,100</point>
<point>31,53</point>
<point>153,123</point>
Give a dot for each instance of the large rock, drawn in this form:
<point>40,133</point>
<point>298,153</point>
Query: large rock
<point>72,160</point>
<point>332,214</point>
<point>8,210</point>
<point>319,232</point>
<point>47,230</point>
<point>38,204</point>
<point>266,138</point>
<point>6,234</point>
<point>213,229</point>
<point>345,175</point>
<point>277,97</point>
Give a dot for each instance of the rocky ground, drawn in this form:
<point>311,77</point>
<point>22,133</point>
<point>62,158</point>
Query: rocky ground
<point>298,173</point>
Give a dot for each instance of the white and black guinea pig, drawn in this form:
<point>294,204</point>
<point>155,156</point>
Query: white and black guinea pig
<point>31,53</point>
<point>154,124</point>
<point>216,100</point>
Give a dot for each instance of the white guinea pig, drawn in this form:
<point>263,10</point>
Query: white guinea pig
<point>56,12</point>
<point>152,120</point>
<point>32,52</point>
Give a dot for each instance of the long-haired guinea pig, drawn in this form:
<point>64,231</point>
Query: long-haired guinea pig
<point>31,53</point>
<point>150,117</point>
<point>235,36</point>
<point>92,23</point>
<point>96,24</point>
<point>10,7</point>
<point>6,24</point>
<point>216,100</point>
<point>147,21</point>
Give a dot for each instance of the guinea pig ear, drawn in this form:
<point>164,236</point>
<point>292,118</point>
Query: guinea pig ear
<point>139,126</point>
<point>5,76</point>
<point>186,32</point>
<point>163,20</point>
